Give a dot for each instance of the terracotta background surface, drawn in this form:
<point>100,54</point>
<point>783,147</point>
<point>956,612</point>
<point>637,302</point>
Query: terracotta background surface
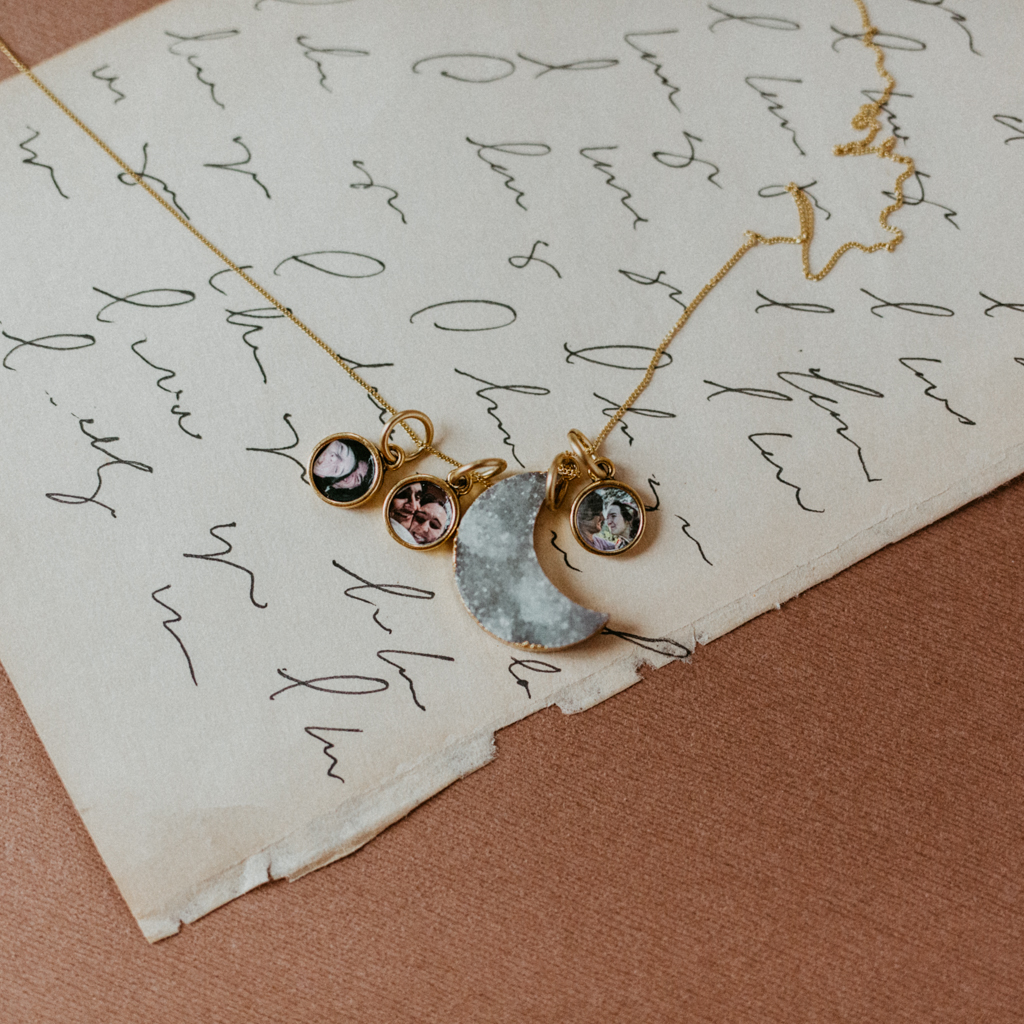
<point>821,818</point>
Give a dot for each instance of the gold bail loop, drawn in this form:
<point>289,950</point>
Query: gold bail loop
<point>565,467</point>
<point>598,468</point>
<point>480,471</point>
<point>394,455</point>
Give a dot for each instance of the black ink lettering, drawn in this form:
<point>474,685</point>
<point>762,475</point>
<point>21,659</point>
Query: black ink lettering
<point>885,40</point>
<point>110,80</point>
<point>754,20</point>
<point>134,177</point>
<point>525,261</point>
<point>286,448</point>
<point>562,552</point>
<point>32,159</point>
<point>192,58</point>
<point>358,265</point>
<point>531,665</point>
<point>370,183</point>
<point>239,164</point>
<point>581,353</point>
<point>468,303</point>
<point>875,95</point>
<point>917,200</point>
<point>88,340</point>
<point>383,414</point>
<point>487,69</point>
<point>773,396</point>
<point>606,169</point>
<point>922,308</point>
<point>226,270</point>
<point>390,589</point>
<point>774,191</point>
<point>167,623</point>
<point>405,675</point>
<point>333,51</point>
<point>168,374</point>
<point>654,484</point>
<point>598,64</point>
<point>492,405</point>
<point>659,645</point>
<point>242,318</point>
<point>930,390</point>
<point>315,730</point>
<point>816,399</point>
<point>611,407</point>
<point>216,556</point>
<point>960,20</point>
<point>115,460</point>
<point>767,456</point>
<point>690,536</point>
<point>167,297</point>
<point>1018,307</point>
<point>1017,127</point>
<point>652,59</point>
<point>797,307</point>
<point>513,149</point>
<point>774,106</point>
<point>637,278</point>
<point>380,685</point>
<point>680,161</point>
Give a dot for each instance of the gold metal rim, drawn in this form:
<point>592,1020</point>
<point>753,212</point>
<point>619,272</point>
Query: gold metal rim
<point>450,493</point>
<point>619,486</point>
<point>378,469</point>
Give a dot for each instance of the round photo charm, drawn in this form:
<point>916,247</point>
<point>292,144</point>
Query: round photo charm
<point>345,470</point>
<point>421,512</point>
<point>608,518</point>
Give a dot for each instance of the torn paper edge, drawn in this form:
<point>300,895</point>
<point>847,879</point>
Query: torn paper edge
<point>354,823</point>
<point>327,838</point>
<point>622,674</point>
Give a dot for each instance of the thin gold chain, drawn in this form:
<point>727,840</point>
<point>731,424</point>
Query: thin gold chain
<point>866,119</point>
<point>139,180</point>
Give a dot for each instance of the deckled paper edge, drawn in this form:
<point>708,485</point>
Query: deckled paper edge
<point>622,674</point>
<point>327,838</point>
<point>354,823</point>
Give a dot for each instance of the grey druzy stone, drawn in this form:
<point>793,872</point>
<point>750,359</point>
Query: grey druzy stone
<point>500,579</point>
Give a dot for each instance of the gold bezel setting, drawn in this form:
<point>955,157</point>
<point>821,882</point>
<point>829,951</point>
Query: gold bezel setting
<point>449,492</point>
<point>378,469</point>
<point>611,484</point>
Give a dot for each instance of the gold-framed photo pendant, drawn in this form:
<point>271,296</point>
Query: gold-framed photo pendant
<point>422,512</point>
<point>608,517</point>
<point>346,470</point>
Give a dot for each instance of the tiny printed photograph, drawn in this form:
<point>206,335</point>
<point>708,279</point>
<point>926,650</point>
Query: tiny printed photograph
<point>421,513</point>
<point>608,519</point>
<point>344,469</point>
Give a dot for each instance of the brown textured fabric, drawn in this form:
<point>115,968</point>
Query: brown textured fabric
<point>820,819</point>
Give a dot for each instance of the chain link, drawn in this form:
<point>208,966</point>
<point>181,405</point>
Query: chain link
<point>866,119</point>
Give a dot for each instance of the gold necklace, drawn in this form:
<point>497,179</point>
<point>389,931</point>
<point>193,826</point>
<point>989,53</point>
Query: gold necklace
<point>494,546</point>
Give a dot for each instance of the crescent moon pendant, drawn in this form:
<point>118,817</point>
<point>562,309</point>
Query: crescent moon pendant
<point>500,579</point>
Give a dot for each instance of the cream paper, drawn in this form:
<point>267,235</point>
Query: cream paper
<point>495,210</point>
